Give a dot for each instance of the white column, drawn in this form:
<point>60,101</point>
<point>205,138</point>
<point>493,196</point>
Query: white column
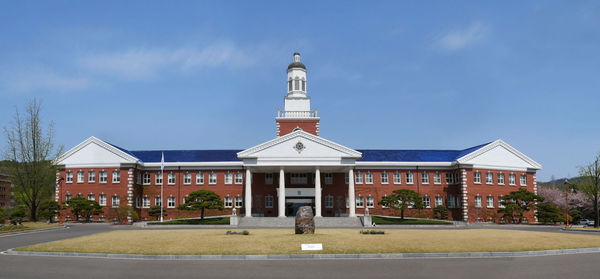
<point>351,197</point>
<point>281,198</point>
<point>248,197</point>
<point>317,193</point>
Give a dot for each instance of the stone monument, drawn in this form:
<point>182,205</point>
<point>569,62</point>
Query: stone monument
<point>305,223</point>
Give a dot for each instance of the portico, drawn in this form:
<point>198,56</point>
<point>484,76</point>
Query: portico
<point>296,156</point>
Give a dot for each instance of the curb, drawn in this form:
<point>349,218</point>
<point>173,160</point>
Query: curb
<point>314,256</point>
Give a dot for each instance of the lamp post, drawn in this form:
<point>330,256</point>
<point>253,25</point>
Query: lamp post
<point>567,202</point>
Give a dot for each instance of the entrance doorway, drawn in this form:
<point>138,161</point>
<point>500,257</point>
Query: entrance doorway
<point>292,204</point>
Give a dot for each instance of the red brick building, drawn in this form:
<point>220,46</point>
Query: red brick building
<point>6,191</point>
<point>298,167</point>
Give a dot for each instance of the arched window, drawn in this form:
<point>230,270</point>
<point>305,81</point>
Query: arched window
<point>303,85</point>
<point>297,84</point>
<point>290,85</point>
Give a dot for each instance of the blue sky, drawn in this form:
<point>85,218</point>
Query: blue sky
<point>398,74</point>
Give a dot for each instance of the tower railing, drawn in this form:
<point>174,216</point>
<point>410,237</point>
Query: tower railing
<point>297,114</point>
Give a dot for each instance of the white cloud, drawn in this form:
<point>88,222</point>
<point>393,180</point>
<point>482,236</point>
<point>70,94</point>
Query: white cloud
<point>42,79</point>
<point>459,39</point>
<point>148,63</point>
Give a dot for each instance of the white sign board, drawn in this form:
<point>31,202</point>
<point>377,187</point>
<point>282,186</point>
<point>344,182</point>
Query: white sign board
<point>312,247</point>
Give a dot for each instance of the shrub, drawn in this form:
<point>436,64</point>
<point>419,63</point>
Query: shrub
<point>238,233</point>
<point>371,232</point>
<point>548,213</point>
<point>440,212</point>
<point>17,215</point>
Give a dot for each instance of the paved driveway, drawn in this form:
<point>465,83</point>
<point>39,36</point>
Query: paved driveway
<point>8,241</point>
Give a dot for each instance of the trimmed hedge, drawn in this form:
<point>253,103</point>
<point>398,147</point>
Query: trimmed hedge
<point>397,221</point>
<point>207,221</point>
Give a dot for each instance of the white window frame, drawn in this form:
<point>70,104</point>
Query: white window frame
<point>382,198</point>
<point>500,200</point>
<point>328,201</point>
<point>239,201</point>
<point>347,178</point>
<point>91,176</point>
<point>477,177</point>
<point>91,197</point>
<point>358,178</point>
<point>158,178</point>
<point>427,201</point>
<point>102,200</point>
<point>523,180</point>
<point>328,178</point>
<point>171,201</point>
<point>489,178</point>
<point>500,178</point>
<point>212,178</point>
<point>146,202</point>
<point>489,203</point>
<point>424,177</point>
<point>187,178</point>
<point>370,203</point>
<point>397,178</point>
<point>450,201</point>
<point>512,179</point>
<point>385,178</point>
<point>298,178</point>
<point>115,201</point>
<point>103,177</point>
<point>439,200</point>
<point>228,178</point>
<point>158,201</point>
<point>138,202</point>
<point>199,178</point>
<point>80,177</point>
<point>360,202</point>
<point>228,202</point>
<point>171,178</point>
<point>449,178</point>
<point>146,179</point>
<point>437,178</point>
<point>410,179</point>
<point>239,178</point>
<point>368,177</point>
<point>116,177</point>
<point>268,178</point>
<point>269,200</point>
<point>477,201</point>
<point>138,178</point>
<point>69,177</point>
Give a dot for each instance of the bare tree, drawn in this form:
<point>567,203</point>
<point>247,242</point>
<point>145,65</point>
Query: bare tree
<point>591,184</point>
<point>30,155</point>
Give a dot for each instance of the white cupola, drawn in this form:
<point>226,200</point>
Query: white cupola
<point>296,98</point>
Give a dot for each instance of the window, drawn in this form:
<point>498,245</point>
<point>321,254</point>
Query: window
<point>347,178</point>
<point>382,198</point>
<point>489,178</point>
<point>523,180</point>
<point>449,178</point>
<point>116,201</point>
<point>239,178</point>
<point>238,201</point>
<point>158,179</point>
<point>171,179</point>
<point>116,177</point>
<point>358,179</point>
<point>138,202</point>
<point>290,85</point>
<point>212,178</point>
<point>91,176</point>
<point>146,202</point>
<point>329,201</point>
<point>171,202</point>
<point>438,200</point>
<point>228,178</point>
<point>425,178</point>
<point>80,177</point>
<point>397,178</point>
<point>200,178</point>
<point>426,202</point>
<point>303,85</point>
<point>456,177</point>
<point>184,199</point>
<point>91,197</point>
<point>477,177</point>
<point>298,178</point>
<point>138,178</point>
<point>385,179</point>
<point>490,202</point>
<point>68,197</point>
<point>296,84</point>
<point>450,201</point>
<point>146,179</point>
<point>501,202</point>
<point>369,177</point>
<point>500,179</point>
<point>511,179</point>
<point>157,201</point>
<point>360,202</point>
<point>409,178</point>
<point>478,201</point>
<point>370,202</point>
<point>437,178</point>
<point>69,178</point>
<point>103,177</point>
<point>102,200</point>
<point>228,202</point>
<point>187,178</point>
<point>268,178</point>
<point>328,178</point>
<point>269,201</point>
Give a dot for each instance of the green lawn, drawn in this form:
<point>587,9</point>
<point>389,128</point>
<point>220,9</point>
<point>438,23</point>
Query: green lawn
<point>397,221</point>
<point>208,221</point>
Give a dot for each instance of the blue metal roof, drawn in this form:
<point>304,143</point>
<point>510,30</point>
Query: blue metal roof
<point>368,155</point>
<point>380,155</point>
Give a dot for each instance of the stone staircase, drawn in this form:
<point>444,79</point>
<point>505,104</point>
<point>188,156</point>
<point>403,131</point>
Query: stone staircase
<point>288,222</point>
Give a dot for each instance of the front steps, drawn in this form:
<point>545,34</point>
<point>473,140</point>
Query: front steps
<point>289,222</point>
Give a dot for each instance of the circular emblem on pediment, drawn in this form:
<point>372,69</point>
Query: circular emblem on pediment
<point>299,146</point>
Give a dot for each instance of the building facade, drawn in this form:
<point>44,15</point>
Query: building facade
<point>6,191</point>
<point>296,168</point>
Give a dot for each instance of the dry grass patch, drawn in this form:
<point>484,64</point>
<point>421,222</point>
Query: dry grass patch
<point>27,226</point>
<point>335,241</point>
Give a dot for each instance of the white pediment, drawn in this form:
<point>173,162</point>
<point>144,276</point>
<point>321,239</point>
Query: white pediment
<point>299,148</point>
<point>499,155</point>
<point>95,153</point>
